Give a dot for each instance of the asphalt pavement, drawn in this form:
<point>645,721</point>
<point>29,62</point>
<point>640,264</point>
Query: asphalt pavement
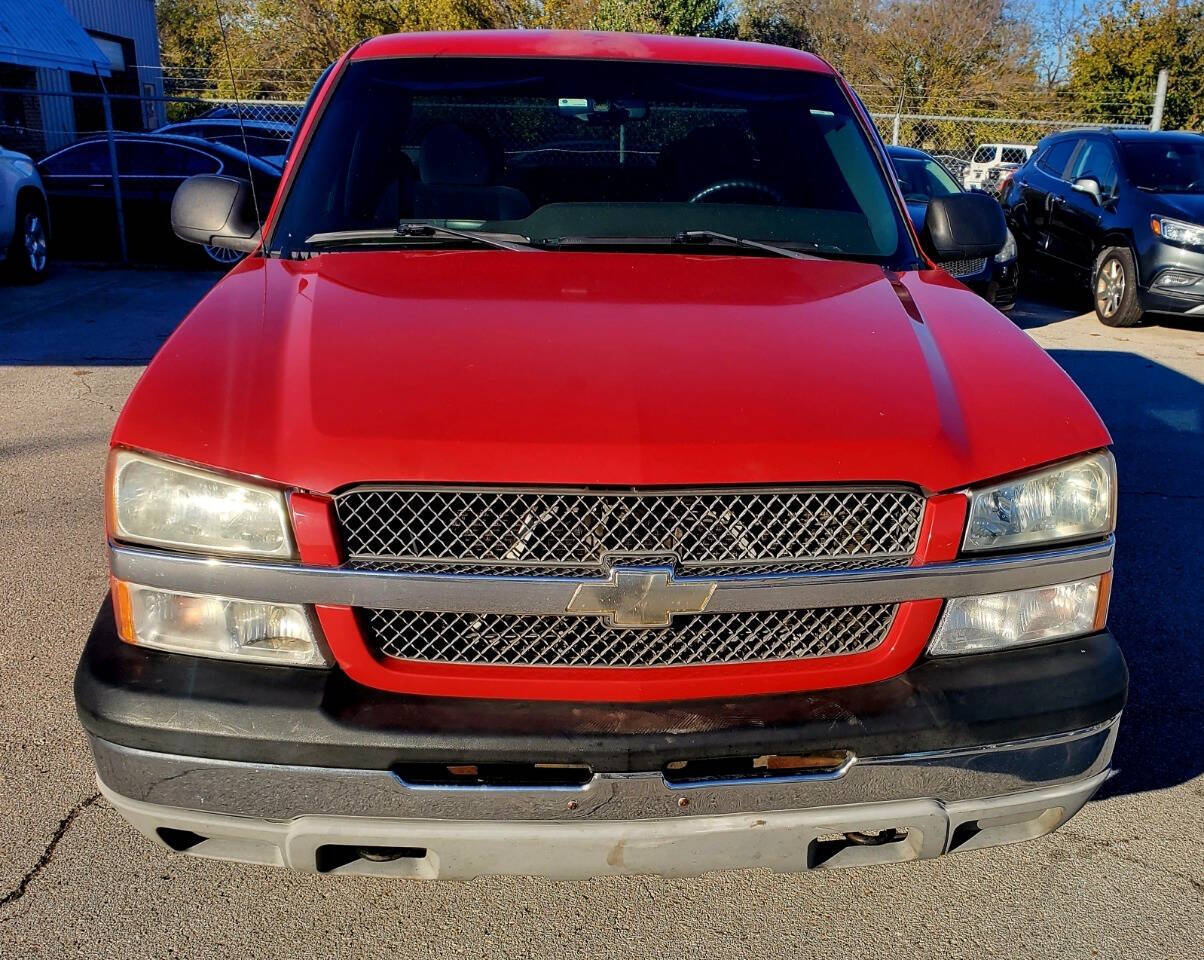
<point>1124,879</point>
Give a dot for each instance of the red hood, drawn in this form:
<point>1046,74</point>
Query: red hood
<point>596,368</point>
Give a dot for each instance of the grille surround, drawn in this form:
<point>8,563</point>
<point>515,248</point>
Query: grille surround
<point>561,532</point>
<point>583,641</point>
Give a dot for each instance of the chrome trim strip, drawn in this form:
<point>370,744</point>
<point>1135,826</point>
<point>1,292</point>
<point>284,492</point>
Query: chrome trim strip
<point>550,596</point>
<point>279,791</point>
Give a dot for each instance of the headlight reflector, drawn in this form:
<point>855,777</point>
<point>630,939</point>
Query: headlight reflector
<point>1178,231</point>
<point>1009,249</point>
<point>170,505</point>
<point>1071,500</point>
<point>216,626</point>
<point>1000,620</point>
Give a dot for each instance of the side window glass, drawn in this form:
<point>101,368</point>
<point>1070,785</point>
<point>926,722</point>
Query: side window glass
<point>83,160</point>
<point>1014,155</point>
<point>1054,160</point>
<point>186,162</point>
<point>1096,160</point>
<point>136,158</point>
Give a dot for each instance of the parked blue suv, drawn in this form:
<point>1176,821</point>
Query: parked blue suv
<point>1121,210</point>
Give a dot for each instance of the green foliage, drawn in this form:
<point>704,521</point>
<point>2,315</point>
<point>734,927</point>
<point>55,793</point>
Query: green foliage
<point>683,17</point>
<point>1118,61</point>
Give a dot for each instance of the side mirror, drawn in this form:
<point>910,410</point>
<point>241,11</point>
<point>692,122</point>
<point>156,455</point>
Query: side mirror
<point>1089,186</point>
<point>216,210</point>
<point>963,226</point>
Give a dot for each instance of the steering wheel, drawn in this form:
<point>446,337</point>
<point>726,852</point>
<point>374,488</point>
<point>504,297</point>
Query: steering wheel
<point>724,186</point>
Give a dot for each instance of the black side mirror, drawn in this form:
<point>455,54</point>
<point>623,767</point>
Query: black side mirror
<point>1089,186</point>
<point>216,210</point>
<point>963,226</point>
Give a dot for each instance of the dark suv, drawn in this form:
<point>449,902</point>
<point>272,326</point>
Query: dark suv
<point>1121,209</point>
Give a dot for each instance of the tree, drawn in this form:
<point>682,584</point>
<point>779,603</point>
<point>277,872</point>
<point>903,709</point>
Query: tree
<point>1114,68</point>
<point>1055,25</point>
<point>683,17</point>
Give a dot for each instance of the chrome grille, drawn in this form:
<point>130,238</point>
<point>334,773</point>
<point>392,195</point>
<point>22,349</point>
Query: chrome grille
<point>964,268</point>
<point>570,641</point>
<point>568,533</point>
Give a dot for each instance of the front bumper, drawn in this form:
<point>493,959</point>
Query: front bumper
<point>586,841</point>
<point>300,768</point>
<point>1156,259</point>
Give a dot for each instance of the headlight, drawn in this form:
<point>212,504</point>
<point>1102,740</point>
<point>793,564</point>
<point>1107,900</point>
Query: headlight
<point>216,626</point>
<point>1009,249</point>
<point>1001,620</point>
<point>171,505</point>
<point>1178,232</point>
<point>1069,501</point>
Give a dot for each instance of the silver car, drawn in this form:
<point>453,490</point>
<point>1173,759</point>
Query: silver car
<point>24,221</point>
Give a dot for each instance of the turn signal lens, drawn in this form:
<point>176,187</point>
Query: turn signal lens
<point>220,627</point>
<point>998,621</point>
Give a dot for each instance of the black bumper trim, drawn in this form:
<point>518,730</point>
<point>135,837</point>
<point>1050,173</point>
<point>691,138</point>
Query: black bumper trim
<point>171,703</point>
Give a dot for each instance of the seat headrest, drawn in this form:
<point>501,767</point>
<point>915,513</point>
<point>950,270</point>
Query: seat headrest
<point>451,154</point>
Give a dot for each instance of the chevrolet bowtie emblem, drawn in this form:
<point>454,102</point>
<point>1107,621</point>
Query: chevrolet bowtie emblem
<point>641,597</point>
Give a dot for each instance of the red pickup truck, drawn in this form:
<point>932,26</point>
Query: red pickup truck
<point>589,471</point>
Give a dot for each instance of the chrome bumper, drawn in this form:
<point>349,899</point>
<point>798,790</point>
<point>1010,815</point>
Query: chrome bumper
<point>871,810</point>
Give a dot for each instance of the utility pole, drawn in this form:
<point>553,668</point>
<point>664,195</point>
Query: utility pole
<point>1159,101</point>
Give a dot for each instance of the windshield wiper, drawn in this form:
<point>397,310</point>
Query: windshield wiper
<point>700,237</point>
<point>712,236</point>
<point>415,231</point>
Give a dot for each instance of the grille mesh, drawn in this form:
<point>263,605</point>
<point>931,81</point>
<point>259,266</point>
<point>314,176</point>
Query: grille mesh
<point>583,533</point>
<point>964,268</point>
<point>569,641</point>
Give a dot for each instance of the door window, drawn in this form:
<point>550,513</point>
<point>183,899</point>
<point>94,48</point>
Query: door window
<point>146,158</point>
<point>1096,160</point>
<point>186,162</point>
<point>82,160</point>
<point>1054,160</point>
<point>1014,155</point>
<point>139,158</point>
<point>985,153</point>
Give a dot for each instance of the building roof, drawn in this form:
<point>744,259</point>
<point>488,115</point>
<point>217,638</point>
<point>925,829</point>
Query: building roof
<point>41,33</point>
<point>588,45</point>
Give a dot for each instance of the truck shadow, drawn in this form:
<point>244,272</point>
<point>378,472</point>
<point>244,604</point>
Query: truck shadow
<point>85,315</point>
<point>1156,416</point>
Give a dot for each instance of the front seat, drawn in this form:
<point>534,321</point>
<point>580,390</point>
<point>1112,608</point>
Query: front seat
<point>455,171</point>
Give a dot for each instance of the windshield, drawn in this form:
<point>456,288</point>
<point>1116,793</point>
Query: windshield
<point>985,153</point>
<point>1167,166</point>
<point>921,180</point>
<point>568,149</point>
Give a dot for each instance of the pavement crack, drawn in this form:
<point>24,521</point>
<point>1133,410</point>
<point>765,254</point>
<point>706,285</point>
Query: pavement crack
<point>17,892</point>
<point>87,395</point>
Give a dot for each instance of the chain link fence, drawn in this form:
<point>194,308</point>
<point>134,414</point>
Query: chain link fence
<point>42,122</point>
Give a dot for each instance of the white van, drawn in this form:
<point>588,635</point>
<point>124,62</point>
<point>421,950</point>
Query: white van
<point>988,156</point>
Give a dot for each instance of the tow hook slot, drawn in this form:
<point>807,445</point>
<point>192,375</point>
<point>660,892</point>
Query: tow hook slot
<point>333,857</point>
<point>856,847</point>
<point>493,775</point>
<point>817,765</point>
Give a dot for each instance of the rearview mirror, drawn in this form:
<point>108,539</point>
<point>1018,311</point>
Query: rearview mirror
<point>963,226</point>
<point>216,210</point>
<point>1089,186</point>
